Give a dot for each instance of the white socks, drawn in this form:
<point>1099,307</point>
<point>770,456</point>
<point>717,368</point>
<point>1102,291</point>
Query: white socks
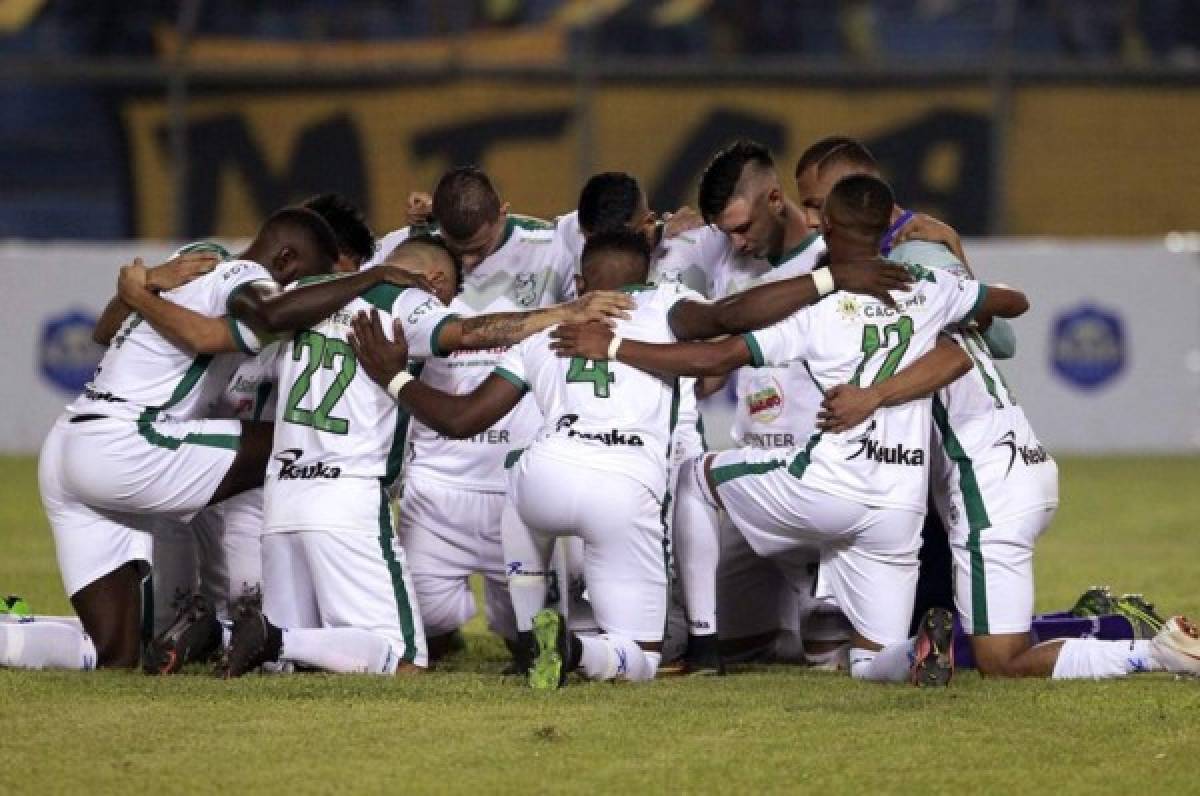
<point>609,657</point>
<point>892,664</point>
<point>528,595</point>
<point>346,650</point>
<point>697,548</point>
<point>1093,659</point>
<point>39,644</point>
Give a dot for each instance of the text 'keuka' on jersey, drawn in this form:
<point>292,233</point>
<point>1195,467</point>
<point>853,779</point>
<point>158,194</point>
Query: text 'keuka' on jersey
<point>335,429</point>
<point>145,375</point>
<point>601,413</point>
<point>854,339</point>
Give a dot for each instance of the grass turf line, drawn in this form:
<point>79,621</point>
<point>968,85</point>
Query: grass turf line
<point>1127,522</point>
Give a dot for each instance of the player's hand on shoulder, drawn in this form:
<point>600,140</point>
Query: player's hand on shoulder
<point>599,305</point>
<point>871,276</point>
<point>845,406</point>
<point>588,340</point>
<point>682,220</point>
<point>402,277</point>
<point>131,280</point>
<point>380,357</point>
<point>180,270</point>
<point>419,209</point>
<point>927,228</point>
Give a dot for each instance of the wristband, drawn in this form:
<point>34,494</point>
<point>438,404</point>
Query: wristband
<point>613,346</point>
<point>397,384</point>
<point>823,281</point>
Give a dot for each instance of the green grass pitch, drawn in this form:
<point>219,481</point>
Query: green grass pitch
<point>1127,522</point>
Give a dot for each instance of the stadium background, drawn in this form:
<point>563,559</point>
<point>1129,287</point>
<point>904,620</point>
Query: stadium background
<point>1059,135</point>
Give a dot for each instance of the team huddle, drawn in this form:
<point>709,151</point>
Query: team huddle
<point>313,445</point>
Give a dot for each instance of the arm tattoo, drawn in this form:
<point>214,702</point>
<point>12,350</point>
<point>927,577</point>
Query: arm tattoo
<point>497,329</point>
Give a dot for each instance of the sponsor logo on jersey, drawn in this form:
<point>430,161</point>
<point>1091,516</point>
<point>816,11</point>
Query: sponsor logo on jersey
<point>424,308</point>
<point>912,303</point>
<point>1029,456</point>
<point>613,437</point>
<point>873,449</point>
<point>1088,346</point>
<point>67,356</point>
<point>288,471</point>
<point>764,398</point>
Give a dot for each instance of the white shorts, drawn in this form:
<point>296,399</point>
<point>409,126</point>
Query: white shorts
<point>620,522</point>
<point>168,468</point>
<point>993,575</point>
<point>868,555</point>
<point>450,534</point>
<point>337,579</point>
<point>89,542</point>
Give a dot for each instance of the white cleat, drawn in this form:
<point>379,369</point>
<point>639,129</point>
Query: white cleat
<point>1177,646</point>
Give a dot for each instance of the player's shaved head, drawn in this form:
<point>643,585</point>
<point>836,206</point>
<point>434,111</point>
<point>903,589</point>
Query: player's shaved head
<point>734,171</point>
<point>815,152</point>
<point>292,243</point>
<point>613,258</point>
<point>463,201</point>
<point>859,208</point>
<point>850,154</point>
<point>428,254</point>
<point>822,165</point>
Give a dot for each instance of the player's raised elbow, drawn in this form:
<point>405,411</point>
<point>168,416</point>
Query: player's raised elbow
<point>1004,302</point>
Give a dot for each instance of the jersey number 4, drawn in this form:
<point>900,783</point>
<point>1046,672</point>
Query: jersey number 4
<point>322,353</point>
<point>594,371</point>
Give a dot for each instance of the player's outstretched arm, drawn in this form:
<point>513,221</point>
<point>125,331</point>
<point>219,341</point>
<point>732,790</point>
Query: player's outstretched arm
<point>455,416</point>
<point>1000,302</point>
<point>191,331</point>
<point>177,271</point>
<point>767,304</point>
<point>845,406</point>
<point>593,341</point>
<point>499,329</point>
<point>270,312</point>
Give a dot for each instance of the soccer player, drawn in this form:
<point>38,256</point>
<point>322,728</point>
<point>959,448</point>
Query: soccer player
<point>337,595</point>
<point>454,489</point>
<point>858,495</point>
<point>598,468</point>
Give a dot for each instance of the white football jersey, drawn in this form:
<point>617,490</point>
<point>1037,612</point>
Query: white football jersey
<point>601,413</point>
<point>529,270</point>
<point>145,375</point>
<point>777,405</point>
<point>252,393</point>
<point>335,428</point>
<point>849,338</point>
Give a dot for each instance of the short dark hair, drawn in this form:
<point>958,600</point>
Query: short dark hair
<point>720,179</point>
<point>307,223</point>
<point>463,201</point>
<point>862,205</point>
<point>433,241</point>
<point>851,152</point>
<point>354,237</point>
<point>608,200</point>
<point>622,240</point>
<point>816,152</point>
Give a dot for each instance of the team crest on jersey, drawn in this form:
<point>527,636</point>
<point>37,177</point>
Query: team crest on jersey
<point>848,307</point>
<point>526,289</point>
<point>764,400</point>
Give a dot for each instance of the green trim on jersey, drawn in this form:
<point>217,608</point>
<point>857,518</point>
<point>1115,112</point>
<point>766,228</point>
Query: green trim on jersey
<point>728,472</point>
<point>403,605</point>
<point>146,420</point>
<point>395,457</point>
<point>977,516</point>
<point>382,296</point>
<point>983,291</point>
<point>636,287</point>
<point>206,246</point>
<point>434,348</point>
<point>804,458</point>
<point>511,378</point>
<point>919,272</point>
<point>315,279</point>
<point>514,220</point>
<point>796,250</point>
<point>512,457</point>
<point>260,399</point>
<point>238,340</point>
<point>756,356</point>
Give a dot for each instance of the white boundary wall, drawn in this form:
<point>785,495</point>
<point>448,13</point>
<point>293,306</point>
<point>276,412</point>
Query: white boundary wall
<point>1121,316</point>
